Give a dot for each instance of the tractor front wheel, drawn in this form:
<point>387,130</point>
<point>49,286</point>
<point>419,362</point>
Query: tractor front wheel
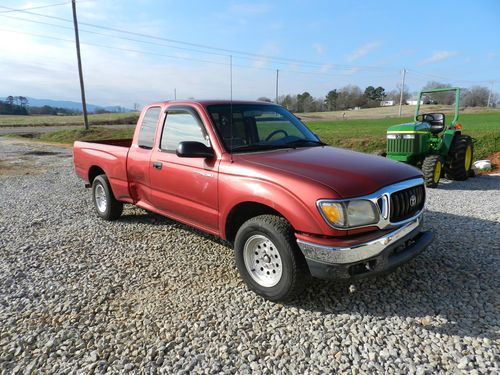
<point>460,157</point>
<point>431,167</point>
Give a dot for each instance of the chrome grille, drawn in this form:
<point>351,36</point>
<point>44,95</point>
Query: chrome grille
<point>407,203</point>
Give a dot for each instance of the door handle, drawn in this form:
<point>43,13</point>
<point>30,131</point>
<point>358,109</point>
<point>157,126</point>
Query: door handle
<point>157,165</point>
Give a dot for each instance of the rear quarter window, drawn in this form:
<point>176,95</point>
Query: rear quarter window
<point>148,127</point>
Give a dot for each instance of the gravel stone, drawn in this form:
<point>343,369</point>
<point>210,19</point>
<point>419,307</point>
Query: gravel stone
<point>148,295</point>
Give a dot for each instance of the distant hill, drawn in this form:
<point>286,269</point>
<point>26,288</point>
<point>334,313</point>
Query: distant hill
<point>34,102</point>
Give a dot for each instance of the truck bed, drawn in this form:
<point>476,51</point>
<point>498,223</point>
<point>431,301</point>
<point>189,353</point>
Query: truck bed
<point>105,156</point>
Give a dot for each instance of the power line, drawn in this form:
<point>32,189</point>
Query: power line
<point>229,51</point>
<point>121,37</point>
<point>11,10</point>
<point>206,48</point>
<point>170,56</point>
<point>123,49</point>
<point>445,78</point>
<point>336,67</point>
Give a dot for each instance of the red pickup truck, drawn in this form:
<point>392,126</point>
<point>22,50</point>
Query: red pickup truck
<point>253,174</point>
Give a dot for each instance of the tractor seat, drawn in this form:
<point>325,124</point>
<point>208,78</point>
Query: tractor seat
<point>436,121</point>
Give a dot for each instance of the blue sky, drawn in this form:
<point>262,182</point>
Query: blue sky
<point>323,44</point>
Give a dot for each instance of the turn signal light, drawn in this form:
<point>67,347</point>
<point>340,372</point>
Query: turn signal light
<point>458,126</point>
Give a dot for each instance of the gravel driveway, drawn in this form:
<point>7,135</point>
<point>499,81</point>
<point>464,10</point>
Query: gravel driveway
<point>147,295</point>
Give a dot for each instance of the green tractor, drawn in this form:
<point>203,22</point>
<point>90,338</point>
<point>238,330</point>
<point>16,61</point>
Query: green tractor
<point>432,145</point>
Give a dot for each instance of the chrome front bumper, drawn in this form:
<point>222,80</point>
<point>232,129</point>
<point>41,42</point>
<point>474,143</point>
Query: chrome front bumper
<point>360,252</point>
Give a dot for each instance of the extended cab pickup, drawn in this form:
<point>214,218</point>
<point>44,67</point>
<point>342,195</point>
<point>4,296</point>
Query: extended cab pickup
<point>253,174</point>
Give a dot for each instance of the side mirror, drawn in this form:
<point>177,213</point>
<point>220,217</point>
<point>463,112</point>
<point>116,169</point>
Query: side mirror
<point>190,149</point>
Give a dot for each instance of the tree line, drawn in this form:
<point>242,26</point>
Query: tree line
<point>19,105</point>
<point>352,96</point>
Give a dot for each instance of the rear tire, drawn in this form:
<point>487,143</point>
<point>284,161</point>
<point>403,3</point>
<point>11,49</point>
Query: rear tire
<point>105,203</point>
<point>460,158</point>
<point>268,258</point>
<point>431,168</point>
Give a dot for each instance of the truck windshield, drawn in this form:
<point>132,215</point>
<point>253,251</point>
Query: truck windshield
<point>258,127</point>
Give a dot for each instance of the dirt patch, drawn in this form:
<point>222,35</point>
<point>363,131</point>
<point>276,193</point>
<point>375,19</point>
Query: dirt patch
<point>495,162</point>
<point>27,157</point>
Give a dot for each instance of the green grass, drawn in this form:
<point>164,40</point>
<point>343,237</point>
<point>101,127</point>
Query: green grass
<point>369,135</point>
<point>45,120</point>
<point>68,136</point>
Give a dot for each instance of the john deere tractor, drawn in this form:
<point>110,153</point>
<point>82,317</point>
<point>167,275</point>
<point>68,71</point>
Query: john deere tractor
<point>433,145</point>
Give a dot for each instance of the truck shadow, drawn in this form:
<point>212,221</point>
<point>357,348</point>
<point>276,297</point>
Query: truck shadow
<point>451,288</point>
<point>139,216</point>
<point>482,182</point>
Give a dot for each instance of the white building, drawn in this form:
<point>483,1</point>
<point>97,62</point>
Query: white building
<point>414,102</point>
<point>387,103</point>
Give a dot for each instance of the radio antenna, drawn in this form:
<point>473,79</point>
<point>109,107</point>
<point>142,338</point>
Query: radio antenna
<point>231,106</point>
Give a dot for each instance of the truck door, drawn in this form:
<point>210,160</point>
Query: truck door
<point>139,156</point>
<point>184,188</point>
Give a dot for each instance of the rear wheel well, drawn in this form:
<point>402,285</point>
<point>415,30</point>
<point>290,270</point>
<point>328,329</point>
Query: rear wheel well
<point>94,171</point>
<point>243,212</point>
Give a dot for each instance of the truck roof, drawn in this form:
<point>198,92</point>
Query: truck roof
<point>208,102</point>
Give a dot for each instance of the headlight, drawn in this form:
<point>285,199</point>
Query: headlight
<point>409,136</point>
<point>391,136</point>
<point>348,214</point>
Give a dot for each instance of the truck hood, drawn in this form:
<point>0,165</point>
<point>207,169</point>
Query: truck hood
<point>348,173</point>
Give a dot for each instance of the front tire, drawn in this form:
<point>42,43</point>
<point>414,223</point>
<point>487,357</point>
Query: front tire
<point>268,258</point>
<point>105,203</point>
<point>431,168</point>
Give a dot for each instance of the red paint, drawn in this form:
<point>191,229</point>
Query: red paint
<point>202,192</point>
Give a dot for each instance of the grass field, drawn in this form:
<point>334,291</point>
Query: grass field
<point>367,135</point>
<point>43,120</point>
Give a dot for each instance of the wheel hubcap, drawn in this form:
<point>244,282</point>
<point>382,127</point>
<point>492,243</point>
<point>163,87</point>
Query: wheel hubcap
<point>437,171</point>
<point>262,260</point>
<point>468,158</point>
<point>100,198</point>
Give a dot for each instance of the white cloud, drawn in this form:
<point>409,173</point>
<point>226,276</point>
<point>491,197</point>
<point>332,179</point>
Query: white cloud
<point>319,48</point>
<point>438,56</point>
<point>362,51</point>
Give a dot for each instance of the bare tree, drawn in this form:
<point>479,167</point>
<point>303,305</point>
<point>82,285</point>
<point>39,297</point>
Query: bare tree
<point>440,97</point>
<point>476,96</point>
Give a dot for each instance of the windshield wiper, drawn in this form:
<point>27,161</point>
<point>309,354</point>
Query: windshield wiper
<point>305,142</point>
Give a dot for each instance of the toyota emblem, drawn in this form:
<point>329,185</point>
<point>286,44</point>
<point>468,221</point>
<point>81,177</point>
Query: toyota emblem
<point>413,200</point>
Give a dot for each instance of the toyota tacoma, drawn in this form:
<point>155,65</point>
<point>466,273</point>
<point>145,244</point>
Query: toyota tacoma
<point>253,174</point>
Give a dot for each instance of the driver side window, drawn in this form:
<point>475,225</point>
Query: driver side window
<point>180,126</point>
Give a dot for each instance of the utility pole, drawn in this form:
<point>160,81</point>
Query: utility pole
<point>489,95</point>
<point>402,91</point>
<point>80,72</point>
<point>277,84</point>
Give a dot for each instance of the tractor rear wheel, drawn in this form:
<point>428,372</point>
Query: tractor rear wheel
<point>460,158</point>
<point>431,167</point>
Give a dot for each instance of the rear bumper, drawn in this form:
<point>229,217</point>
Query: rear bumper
<point>370,258</point>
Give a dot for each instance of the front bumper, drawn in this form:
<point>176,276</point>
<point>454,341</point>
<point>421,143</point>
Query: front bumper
<point>370,258</point>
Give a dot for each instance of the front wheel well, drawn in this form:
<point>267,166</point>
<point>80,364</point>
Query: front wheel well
<point>94,171</point>
<point>241,213</point>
